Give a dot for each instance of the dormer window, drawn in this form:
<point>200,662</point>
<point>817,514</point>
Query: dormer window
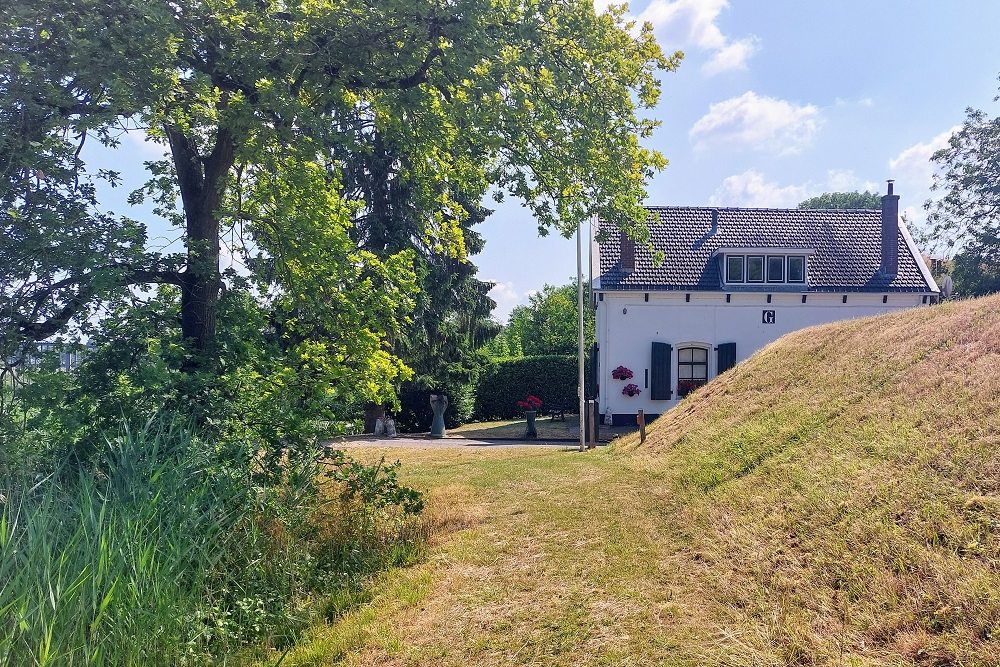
<point>735,268</point>
<point>796,269</point>
<point>773,266</point>
<point>775,269</point>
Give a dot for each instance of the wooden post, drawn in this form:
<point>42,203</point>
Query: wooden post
<point>640,419</point>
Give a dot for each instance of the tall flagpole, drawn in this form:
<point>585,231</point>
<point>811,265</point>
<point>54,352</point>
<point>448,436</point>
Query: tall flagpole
<point>579,310</point>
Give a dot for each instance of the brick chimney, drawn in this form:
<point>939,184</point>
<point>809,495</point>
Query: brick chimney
<point>890,234</point>
<point>627,257</point>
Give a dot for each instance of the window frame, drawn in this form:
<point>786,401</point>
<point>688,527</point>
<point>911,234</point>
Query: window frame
<point>788,265</point>
<point>767,269</point>
<point>743,268</point>
<point>686,385</point>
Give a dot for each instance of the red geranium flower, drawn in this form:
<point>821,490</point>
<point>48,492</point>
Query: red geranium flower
<point>530,402</point>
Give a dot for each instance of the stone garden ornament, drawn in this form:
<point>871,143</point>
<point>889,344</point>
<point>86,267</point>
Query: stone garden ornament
<point>439,403</point>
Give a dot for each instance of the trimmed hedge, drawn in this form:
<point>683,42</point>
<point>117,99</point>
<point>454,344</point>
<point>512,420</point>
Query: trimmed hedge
<point>504,382</point>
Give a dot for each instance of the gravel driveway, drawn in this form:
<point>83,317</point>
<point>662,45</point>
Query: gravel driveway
<point>423,442</point>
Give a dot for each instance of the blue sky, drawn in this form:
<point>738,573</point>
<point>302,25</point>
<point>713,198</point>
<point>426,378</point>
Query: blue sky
<point>777,101</point>
<point>774,102</point>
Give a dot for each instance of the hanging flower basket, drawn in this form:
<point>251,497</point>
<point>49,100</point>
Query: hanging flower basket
<point>622,373</point>
<point>631,390</point>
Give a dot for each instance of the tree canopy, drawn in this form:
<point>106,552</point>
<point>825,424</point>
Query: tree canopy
<point>843,200</point>
<point>547,325</point>
<point>273,113</point>
<point>965,218</point>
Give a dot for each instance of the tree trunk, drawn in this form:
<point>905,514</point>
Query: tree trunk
<point>373,412</point>
<point>202,183</point>
<point>200,293</point>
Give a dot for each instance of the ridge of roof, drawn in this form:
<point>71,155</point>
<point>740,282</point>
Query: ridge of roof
<point>760,208</point>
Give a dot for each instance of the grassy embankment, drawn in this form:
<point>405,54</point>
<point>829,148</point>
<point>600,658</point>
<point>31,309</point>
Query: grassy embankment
<point>833,500</point>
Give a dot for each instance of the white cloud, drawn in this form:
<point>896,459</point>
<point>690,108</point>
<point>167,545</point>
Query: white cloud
<point>507,298</point>
<point>914,174</point>
<point>731,57</point>
<point>861,102</point>
<point>912,168</point>
<point>686,23</point>
<point>757,121</point>
<point>845,180</point>
<point>752,189</point>
<point>601,5</point>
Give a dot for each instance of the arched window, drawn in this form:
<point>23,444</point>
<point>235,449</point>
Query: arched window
<point>692,369</point>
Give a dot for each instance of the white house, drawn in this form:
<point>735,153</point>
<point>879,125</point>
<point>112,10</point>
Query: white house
<point>731,281</point>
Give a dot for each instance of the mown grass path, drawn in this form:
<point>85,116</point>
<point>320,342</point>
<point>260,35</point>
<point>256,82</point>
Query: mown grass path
<point>536,558</point>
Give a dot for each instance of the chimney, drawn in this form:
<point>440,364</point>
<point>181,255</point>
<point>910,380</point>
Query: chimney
<point>627,256</point>
<point>890,233</point>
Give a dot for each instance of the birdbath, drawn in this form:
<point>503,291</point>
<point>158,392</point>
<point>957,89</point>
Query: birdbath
<point>439,403</point>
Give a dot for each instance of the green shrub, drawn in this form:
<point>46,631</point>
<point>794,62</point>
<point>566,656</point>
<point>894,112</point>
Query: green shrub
<point>502,383</point>
<point>161,550</point>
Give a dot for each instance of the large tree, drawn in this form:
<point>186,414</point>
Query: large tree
<point>451,317</point>
<point>964,219</point>
<point>548,324</point>
<point>842,200</point>
<point>263,104</point>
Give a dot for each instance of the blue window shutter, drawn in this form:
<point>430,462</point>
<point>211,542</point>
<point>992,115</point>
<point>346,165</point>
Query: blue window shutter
<point>659,381</point>
<point>727,357</point>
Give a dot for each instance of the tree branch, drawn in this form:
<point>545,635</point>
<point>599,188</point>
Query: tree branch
<point>28,328</point>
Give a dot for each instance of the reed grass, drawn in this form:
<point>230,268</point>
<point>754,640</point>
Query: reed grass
<point>157,553</point>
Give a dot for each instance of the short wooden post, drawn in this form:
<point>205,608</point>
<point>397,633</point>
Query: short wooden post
<point>640,419</point>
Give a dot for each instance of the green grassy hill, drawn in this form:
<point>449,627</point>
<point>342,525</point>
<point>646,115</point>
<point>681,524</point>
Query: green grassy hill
<point>843,492</point>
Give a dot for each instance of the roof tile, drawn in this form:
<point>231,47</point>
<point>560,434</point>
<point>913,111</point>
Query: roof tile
<point>847,245</point>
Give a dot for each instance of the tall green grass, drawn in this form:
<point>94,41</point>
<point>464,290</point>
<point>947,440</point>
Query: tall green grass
<point>157,553</point>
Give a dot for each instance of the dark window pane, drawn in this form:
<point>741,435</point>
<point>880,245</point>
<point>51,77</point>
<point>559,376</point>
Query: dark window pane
<point>775,269</point>
<point>796,269</point>
<point>755,269</point>
<point>734,268</point>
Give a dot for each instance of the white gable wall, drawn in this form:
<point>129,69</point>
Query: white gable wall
<point>627,325</point>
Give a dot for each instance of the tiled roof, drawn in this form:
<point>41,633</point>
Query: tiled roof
<point>847,245</point>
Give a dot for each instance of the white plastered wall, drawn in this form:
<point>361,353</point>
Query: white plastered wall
<point>627,324</point>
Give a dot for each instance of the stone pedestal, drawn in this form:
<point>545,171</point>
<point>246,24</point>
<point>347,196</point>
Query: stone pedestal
<point>530,432</point>
<point>439,403</point>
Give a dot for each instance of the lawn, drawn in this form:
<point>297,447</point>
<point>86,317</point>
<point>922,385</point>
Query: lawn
<point>547,427</point>
<point>535,558</point>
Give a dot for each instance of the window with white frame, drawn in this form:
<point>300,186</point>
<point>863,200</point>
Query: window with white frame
<point>796,269</point>
<point>692,369</point>
<point>742,269</point>
<point>735,268</point>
